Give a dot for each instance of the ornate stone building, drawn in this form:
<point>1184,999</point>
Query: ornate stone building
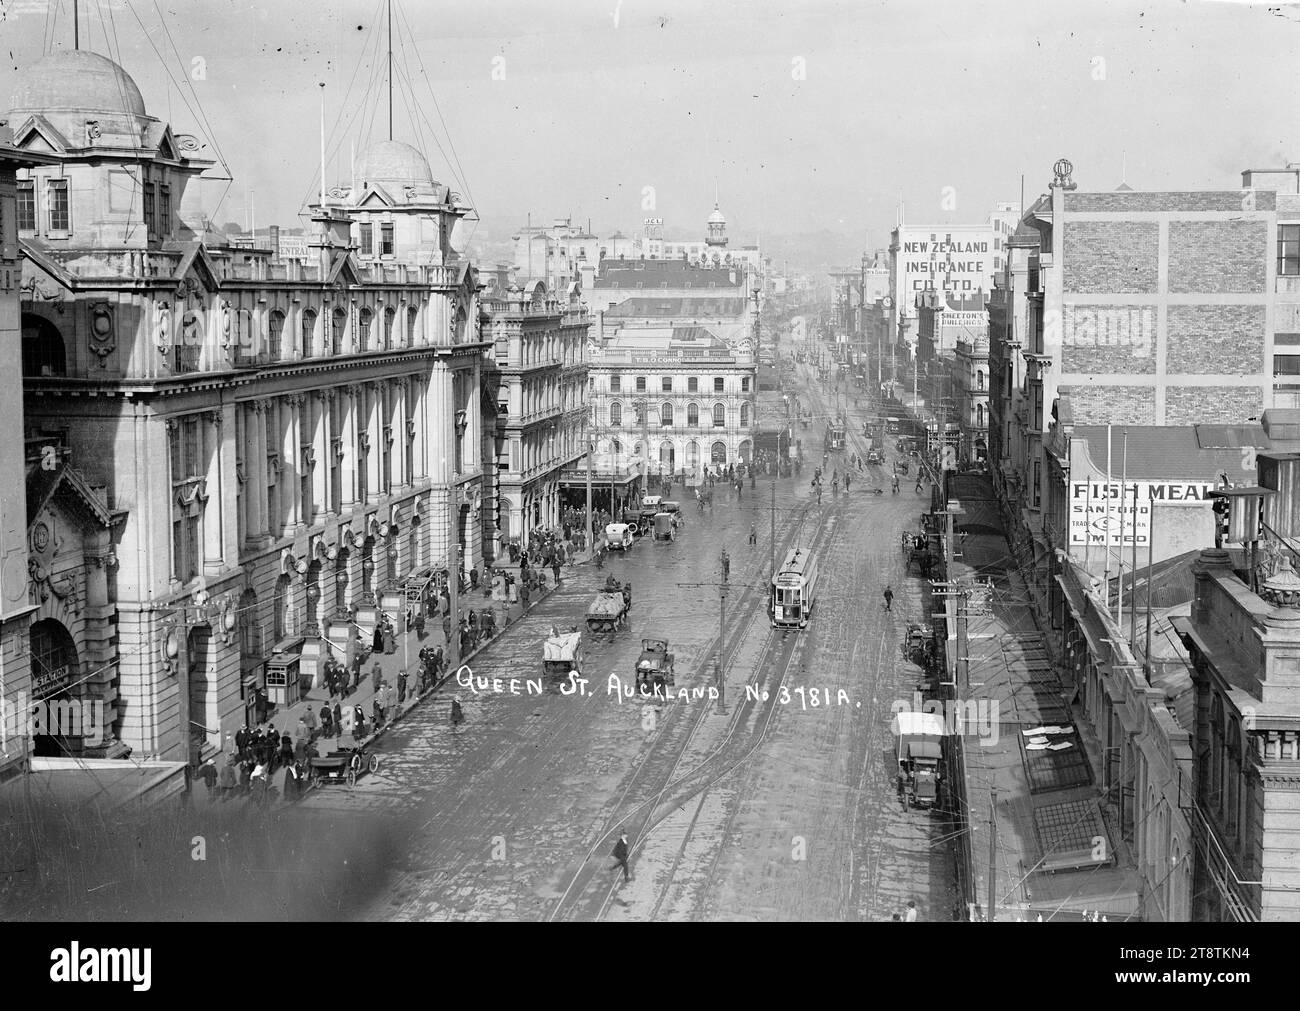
<point>271,448</point>
<point>540,343</point>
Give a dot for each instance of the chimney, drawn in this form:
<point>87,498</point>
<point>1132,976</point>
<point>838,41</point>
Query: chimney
<point>275,241</point>
<point>1283,180</point>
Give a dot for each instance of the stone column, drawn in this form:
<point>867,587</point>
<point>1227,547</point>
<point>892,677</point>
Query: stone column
<point>257,458</point>
<point>289,464</point>
<point>416,408</point>
<point>374,454</point>
<point>350,408</point>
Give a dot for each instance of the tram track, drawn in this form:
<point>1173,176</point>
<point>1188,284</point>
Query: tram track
<point>700,780</point>
<point>590,894</point>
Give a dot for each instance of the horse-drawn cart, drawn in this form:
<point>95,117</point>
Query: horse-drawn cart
<point>608,611</point>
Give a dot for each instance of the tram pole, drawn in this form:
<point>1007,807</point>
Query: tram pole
<point>722,638</point>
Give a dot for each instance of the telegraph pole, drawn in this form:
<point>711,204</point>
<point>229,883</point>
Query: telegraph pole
<point>993,854</point>
<point>591,449</point>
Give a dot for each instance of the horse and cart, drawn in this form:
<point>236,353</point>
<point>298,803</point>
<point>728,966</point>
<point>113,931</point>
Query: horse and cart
<point>916,549</point>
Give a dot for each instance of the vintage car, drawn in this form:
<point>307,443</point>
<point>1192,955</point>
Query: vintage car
<point>665,527</point>
<point>650,505</point>
<point>875,456</point>
<point>620,536</point>
<point>342,766</point>
<point>655,666</point>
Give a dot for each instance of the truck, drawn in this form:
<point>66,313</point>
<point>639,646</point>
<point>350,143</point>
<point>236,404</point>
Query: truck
<point>920,753</point>
<point>654,668</point>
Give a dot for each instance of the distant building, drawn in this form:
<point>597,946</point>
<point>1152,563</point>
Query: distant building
<point>676,397</point>
<point>731,319</point>
<point>970,371</point>
<point>616,281</point>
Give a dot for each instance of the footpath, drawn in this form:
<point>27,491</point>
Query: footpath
<point>284,718</point>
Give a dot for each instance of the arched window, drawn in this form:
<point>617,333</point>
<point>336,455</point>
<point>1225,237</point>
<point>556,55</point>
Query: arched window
<point>666,416</point>
<point>615,414</point>
<point>693,415</point>
<point>719,415</point>
<point>639,409</point>
<point>363,329</point>
<point>280,605</point>
<point>339,323</point>
<point>43,353</point>
<point>390,320</point>
<point>410,326</point>
<point>308,331</point>
<point>744,415</point>
<point>979,379</point>
<point>274,332</point>
<point>979,415</point>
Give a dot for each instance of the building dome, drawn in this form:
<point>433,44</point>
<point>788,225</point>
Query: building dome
<point>392,163</point>
<point>717,218</point>
<point>80,81</point>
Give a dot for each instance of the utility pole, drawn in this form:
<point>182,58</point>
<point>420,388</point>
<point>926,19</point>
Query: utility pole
<point>719,681</point>
<point>993,854</point>
<point>591,449</point>
<point>773,547</point>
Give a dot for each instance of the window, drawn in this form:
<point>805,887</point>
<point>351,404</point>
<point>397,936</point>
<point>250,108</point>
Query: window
<point>339,323</point>
<point>363,329</point>
<point>386,239</point>
<point>719,385</point>
<point>693,385</point>
<point>979,380</point>
<point>308,331</point>
<point>615,414</point>
<point>164,210</point>
<point>693,415</point>
<point>744,415</point>
<point>1038,480</point>
<point>367,239</point>
<point>615,383</point>
<point>274,330</point>
<point>1288,250</point>
<point>411,314</point>
<point>57,195</point>
<point>719,415</point>
<point>667,384</point>
<point>744,384</point>
<point>187,468</point>
<point>27,206</point>
<point>640,384</point>
<point>1286,365</point>
<point>666,416</point>
<point>149,222</point>
<point>390,317</point>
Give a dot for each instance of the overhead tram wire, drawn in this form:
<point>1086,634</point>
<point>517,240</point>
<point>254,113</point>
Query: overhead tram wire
<point>115,53</point>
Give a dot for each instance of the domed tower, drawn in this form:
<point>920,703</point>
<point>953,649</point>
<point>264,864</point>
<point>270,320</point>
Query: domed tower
<point>396,211</point>
<point>122,173</point>
<point>717,237</point>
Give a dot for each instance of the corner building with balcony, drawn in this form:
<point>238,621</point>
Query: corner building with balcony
<point>270,448</point>
<point>680,397</point>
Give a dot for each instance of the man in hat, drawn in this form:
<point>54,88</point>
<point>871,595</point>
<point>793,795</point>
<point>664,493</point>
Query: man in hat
<point>621,855</point>
<point>310,720</point>
<point>376,675</point>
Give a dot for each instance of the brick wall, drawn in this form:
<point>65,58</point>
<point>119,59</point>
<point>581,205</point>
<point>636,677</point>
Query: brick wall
<point>1215,340</point>
<point>1193,405</point>
<point>1218,256</point>
<point>1110,256</point>
<point>1108,339</point>
<point>1112,405</point>
<point>1219,200</point>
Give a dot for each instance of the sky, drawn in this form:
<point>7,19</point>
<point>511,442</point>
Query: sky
<point>801,115</point>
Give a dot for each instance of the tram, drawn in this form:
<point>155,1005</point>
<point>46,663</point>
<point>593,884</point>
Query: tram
<point>794,590</point>
<point>836,434</point>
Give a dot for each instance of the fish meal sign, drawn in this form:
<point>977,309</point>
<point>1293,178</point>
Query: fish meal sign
<point>1111,514</point>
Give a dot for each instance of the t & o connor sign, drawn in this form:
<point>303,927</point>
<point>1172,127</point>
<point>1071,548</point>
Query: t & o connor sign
<point>1110,514</point>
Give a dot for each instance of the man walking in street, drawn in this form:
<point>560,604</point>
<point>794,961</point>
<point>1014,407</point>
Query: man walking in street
<point>620,857</point>
<point>753,534</point>
<point>889,598</point>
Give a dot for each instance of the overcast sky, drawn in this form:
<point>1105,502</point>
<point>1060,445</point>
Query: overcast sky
<point>806,114</point>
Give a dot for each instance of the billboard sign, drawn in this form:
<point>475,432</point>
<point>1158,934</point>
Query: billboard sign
<point>1108,515</point>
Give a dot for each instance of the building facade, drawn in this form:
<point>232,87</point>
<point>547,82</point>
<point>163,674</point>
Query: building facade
<point>970,373</point>
<point>540,353</point>
<point>679,397</point>
<point>272,447</point>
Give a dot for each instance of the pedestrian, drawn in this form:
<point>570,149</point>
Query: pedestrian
<point>356,672</point>
<point>446,627</point>
<point>620,857</point>
<point>378,643</point>
<point>376,676</point>
<point>228,782</point>
<point>889,598</point>
<point>347,724</point>
<point>524,595</point>
<point>401,686</point>
<point>419,625</point>
<point>358,723</point>
<point>338,718</point>
<point>918,484</point>
<point>457,714</point>
<point>286,749</point>
<point>310,721</point>
<point>377,714</point>
<point>555,569</point>
<point>387,697</point>
<point>753,534</point>
<point>300,732</point>
<point>326,721</point>
<point>208,773</point>
<point>390,639</point>
<point>911,913</point>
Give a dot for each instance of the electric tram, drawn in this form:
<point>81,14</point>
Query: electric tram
<point>794,590</point>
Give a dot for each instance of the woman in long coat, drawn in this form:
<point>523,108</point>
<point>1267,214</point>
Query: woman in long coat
<point>379,638</point>
<point>390,640</point>
<point>358,724</point>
